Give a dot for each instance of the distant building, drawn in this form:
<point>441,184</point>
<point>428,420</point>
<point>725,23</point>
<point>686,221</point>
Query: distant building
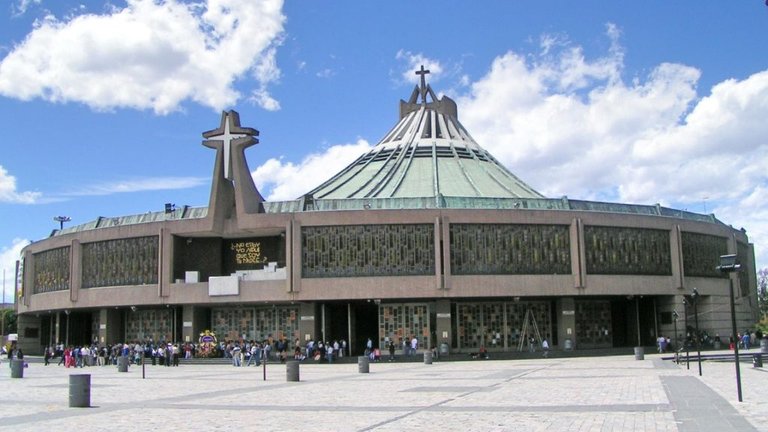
<point>425,236</point>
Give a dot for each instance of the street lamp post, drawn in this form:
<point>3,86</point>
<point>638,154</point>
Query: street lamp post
<point>675,337</point>
<point>695,297</point>
<point>685,339</point>
<point>729,264</point>
<point>61,220</point>
<point>66,336</point>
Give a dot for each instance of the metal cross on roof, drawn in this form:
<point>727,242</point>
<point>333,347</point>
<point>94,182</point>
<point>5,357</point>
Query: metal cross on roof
<point>423,89</point>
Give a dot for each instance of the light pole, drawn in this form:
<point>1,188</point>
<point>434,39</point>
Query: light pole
<point>61,220</point>
<point>66,336</point>
<point>695,297</point>
<point>675,316</point>
<point>729,264</point>
<point>2,313</point>
<point>685,340</point>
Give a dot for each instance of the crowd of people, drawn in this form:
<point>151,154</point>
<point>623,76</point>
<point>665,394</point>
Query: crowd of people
<point>241,353</point>
<point>162,353</point>
<point>252,352</point>
<point>746,340</point>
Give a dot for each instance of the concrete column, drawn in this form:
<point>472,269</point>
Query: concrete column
<point>307,322</point>
<point>75,275</point>
<point>676,253</point>
<point>443,322</point>
<point>57,333</point>
<point>114,329</point>
<point>101,335</point>
<point>165,263</point>
<point>295,255</point>
<point>289,269</point>
<point>578,255</point>
<point>193,322</point>
<point>29,324</point>
<point>566,327</point>
<point>28,279</point>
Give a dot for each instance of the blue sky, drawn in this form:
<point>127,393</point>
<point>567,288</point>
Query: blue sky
<point>102,104</point>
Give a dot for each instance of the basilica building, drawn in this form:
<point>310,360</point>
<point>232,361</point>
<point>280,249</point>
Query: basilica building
<point>425,236</point>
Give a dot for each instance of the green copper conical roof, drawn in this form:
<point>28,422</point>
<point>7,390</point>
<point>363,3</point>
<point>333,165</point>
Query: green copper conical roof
<point>428,153</point>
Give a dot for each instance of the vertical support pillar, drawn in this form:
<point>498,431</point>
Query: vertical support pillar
<point>443,322</point>
<point>114,331</point>
<point>350,336</point>
<point>289,268</point>
<point>75,275</point>
<point>27,279</point>
<point>323,334</point>
<point>306,322</point>
<point>566,308</point>
<point>676,253</point>
<point>103,325</point>
<point>506,326</point>
<point>295,255</point>
<point>165,263</point>
<point>57,328</point>
<point>578,266</point>
<point>187,324</point>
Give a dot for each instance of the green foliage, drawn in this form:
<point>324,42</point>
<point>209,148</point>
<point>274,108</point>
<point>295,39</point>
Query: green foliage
<point>8,317</point>
<point>762,300</point>
<point>762,293</point>
<point>763,325</point>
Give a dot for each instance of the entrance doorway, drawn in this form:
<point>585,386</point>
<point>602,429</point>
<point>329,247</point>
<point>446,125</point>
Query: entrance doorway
<point>353,322</point>
<point>366,316</point>
<point>633,321</point>
<point>336,322</point>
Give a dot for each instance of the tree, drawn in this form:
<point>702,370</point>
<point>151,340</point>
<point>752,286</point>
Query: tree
<point>8,317</point>
<point>762,291</point>
<point>762,299</point>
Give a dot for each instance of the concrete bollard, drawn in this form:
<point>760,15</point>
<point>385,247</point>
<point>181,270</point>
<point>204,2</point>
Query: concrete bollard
<point>427,357</point>
<point>122,364</point>
<point>17,368</point>
<point>764,345</point>
<point>79,391</point>
<point>639,353</point>
<point>363,364</point>
<point>292,371</point>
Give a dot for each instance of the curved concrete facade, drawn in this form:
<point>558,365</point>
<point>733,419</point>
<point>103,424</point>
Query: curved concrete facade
<point>458,273</point>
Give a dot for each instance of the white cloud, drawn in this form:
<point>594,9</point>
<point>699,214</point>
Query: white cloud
<point>412,62</point>
<point>9,194</point>
<point>279,180</point>
<point>140,185</point>
<point>148,55</point>
<point>8,257</point>
<point>569,125</point>
<point>20,7</point>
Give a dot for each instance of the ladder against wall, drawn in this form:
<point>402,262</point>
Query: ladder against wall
<point>530,328</point>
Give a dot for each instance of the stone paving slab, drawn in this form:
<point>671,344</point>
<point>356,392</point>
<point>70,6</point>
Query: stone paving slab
<point>615,393</point>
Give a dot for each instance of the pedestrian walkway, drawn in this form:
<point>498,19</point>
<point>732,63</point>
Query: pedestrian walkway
<point>613,393</point>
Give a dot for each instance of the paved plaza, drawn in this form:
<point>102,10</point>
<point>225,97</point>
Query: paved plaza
<point>612,393</point>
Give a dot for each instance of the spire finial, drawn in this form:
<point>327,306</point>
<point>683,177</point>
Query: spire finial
<point>423,89</point>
